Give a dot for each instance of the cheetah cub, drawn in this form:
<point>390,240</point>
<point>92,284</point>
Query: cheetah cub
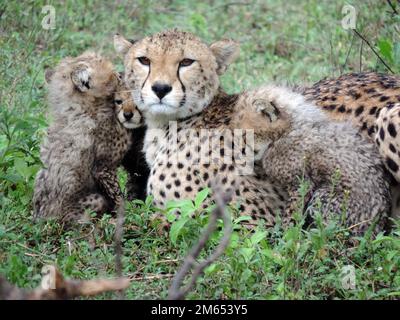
<point>294,139</point>
<point>87,140</point>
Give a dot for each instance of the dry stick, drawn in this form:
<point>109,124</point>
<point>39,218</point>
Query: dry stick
<point>151,277</point>
<point>64,289</point>
<point>348,54</point>
<point>361,52</point>
<point>373,50</point>
<point>392,6</point>
<point>119,230</point>
<point>175,291</point>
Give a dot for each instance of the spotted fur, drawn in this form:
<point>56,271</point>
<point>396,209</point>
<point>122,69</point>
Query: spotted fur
<point>195,103</point>
<point>85,141</point>
<point>298,141</point>
<point>364,99</point>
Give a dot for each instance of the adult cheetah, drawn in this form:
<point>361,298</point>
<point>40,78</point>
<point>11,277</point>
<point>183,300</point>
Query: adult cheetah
<point>174,78</point>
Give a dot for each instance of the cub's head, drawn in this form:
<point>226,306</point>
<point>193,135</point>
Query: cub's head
<point>127,112</point>
<point>265,118</point>
<point>86,76</point>
<point>173,74</point>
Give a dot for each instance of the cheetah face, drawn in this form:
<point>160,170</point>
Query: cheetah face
<point>265,117</point>
<point>173,74</point>
<point>126,111</point>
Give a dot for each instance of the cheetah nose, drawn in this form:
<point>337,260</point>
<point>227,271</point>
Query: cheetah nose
<point>128,115</point>
<point>161,89</point>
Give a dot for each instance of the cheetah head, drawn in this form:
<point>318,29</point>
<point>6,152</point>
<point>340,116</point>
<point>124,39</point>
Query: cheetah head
<point>88,75</point>
<point>266,118</point>
<point>127,112</point>
<point>173,74</point>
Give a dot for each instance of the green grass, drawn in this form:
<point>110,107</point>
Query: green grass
<point>291,41</point>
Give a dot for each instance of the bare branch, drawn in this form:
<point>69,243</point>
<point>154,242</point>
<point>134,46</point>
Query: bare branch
<point>373,50</point>
<point>348,54</point>
<point>175,291</point>
<point>392,6</point>
<point>64,289</point>
<point>119,231</point>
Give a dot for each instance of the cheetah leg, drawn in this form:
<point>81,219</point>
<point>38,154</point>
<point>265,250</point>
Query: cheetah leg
<point>387,129</point>
<point>108,181</point>
<point>77,211</point>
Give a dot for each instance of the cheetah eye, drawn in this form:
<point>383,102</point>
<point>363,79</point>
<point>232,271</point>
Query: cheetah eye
<point>118,101</point>
<point>144,60</point>
<point>186,62</point>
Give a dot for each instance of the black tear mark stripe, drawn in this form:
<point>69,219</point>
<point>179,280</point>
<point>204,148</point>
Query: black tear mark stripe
<point>183,89</point>
<point>145,80</point>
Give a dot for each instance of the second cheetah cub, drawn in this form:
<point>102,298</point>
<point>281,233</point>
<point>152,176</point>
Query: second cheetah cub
<point>87,140</point>
<point>295,139</point>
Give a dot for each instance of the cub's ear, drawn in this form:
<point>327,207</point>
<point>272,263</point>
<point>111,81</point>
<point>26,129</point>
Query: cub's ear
<point>48,73</point>
<point>80,77</point>
<point>225,52</point>
<point>122,45</point>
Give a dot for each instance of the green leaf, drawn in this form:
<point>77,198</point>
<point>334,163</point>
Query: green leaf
<point>258,236</point>
<point>242,218</point>
<point>171,216</point>
<point>210,269</point>
<point>22,168</point>
<point>396,54</point>
<point>2,231</point>
<point>386,49</point>
<point>185,207</point>
<point>176,228</point>
<point>149,200</point>
<point>247,254</point>
<point>246,274</point>
<point>13,178</point>
<point>234,240</point>
<point>21,125</point>
<point>200,197</point>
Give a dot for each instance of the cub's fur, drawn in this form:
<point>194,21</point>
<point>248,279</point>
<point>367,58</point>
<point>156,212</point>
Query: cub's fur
<point>86,140</point>
<point>298,140</point>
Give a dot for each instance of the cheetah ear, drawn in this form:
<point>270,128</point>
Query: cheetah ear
<point>122,45</point>
<point>48,73</point>
<point>225,52</point>
<point>80,77</point>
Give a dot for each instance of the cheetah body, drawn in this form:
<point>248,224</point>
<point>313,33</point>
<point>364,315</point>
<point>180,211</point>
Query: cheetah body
<point>174,77</point>
<point>344,169</point>
<point>371,102</point>
<point>198,158</point>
